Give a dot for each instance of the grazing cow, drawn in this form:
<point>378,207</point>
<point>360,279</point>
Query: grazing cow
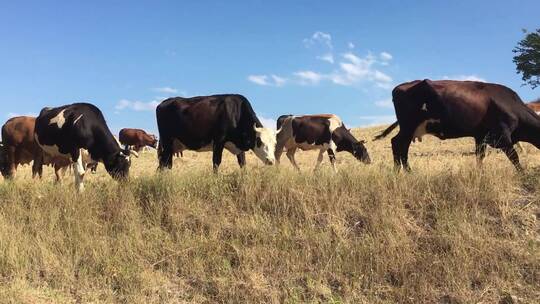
<point>323,132</point>
<point>212,123</point>
<point>490,113</point>
<point>65,131</point>
<point>137,138</point>
<point>19,148</point>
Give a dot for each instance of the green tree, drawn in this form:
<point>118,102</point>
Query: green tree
<point>527,58</point>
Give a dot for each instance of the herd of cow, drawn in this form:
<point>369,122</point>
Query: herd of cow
<point>77,134</point>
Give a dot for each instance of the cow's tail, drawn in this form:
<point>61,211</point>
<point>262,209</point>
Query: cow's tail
<point>387,131</point>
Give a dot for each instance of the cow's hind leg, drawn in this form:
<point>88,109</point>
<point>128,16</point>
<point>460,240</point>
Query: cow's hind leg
<point>513,157</point>
<point>400,150</point>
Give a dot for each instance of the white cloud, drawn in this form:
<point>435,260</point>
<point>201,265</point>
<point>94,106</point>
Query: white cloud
<point>355,69</point>
<point>11,115</point>
<point>165,90</point>
<point>309,77</point>
<point>385,56</point>
<point>327,57</point>
<point>319,37</point>
<point>350,45</point>
<point>138,106</point>
<point>265,80</point>
<point>465,78</point>
<point>376,120</point>
<point>384,103</point>
<point>259,79</point>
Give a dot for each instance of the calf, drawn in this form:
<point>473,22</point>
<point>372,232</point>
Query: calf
<point>66,130</point>
<point>323,132</point>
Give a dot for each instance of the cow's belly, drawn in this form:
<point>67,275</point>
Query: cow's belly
<point>307,146</point>
<point>231,147</point>
<point>426,128</point>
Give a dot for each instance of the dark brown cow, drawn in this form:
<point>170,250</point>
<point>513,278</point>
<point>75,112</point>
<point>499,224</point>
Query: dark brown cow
<point>323,132</point>
<point>137,138</point>
<point>490,113</point>
<point>20,148</point>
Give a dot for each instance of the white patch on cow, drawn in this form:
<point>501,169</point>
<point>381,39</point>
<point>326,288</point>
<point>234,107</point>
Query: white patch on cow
<point>537,113</point>
<point>335,122</point>
<point>59,119</point>
<point>75,121</point>
<point>421,129</point>
<point>424,106</point>
<point>266,151</point>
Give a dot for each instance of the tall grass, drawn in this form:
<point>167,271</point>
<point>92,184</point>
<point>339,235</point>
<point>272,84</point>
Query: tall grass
<point>447,233</point>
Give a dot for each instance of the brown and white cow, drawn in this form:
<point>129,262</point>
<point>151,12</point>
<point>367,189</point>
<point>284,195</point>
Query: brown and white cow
<point>323,132</point>
<point>137,139</point>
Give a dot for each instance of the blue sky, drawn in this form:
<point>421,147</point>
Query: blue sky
<point>297,57</point>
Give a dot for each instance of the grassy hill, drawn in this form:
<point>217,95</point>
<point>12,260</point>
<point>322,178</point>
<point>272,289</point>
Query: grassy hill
<point>446,233</point>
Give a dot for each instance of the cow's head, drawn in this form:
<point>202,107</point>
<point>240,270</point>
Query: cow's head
<point>360,152</point>
<point>118,165</point>
<point>265,144</point>
<point>154,141</point>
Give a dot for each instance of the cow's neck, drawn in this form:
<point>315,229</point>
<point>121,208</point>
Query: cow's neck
<point>529,131</point>
<point>104,148</point>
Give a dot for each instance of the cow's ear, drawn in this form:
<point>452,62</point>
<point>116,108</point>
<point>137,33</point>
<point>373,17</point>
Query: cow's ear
<point>258,130</point>
<point>258,142</point>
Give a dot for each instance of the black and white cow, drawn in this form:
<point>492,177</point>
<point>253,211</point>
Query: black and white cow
<point>323,132</point>
<point>212,123</point>
<point>67,130</point>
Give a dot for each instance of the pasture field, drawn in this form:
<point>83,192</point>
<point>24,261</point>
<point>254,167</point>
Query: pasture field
<point>446,233</point>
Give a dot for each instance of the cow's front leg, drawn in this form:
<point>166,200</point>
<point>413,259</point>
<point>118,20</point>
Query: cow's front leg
<point>217,155</point>
<point>241,159</point>
<point>332,157</point>
<point>290,156</point>
<point>79,170</point>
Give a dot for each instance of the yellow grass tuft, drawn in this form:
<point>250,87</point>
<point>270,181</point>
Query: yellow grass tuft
<point>446,233</point>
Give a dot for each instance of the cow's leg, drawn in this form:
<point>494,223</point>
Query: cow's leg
<point>37,166</point>
<point>400,150</point>
<point>165,154</point>
<point>290,155</point>
<point>513,157</point>
<point>332,156</point>
<point>57,173</point>
<point>480,150</point>
<point>79,170</point>
<point>241,159</point>
<point>217,155</point>
<point>12,163</point>
<point>279,151</point>
<point>319,159</point>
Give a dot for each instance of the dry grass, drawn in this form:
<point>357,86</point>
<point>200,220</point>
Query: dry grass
<point>446,233</point>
